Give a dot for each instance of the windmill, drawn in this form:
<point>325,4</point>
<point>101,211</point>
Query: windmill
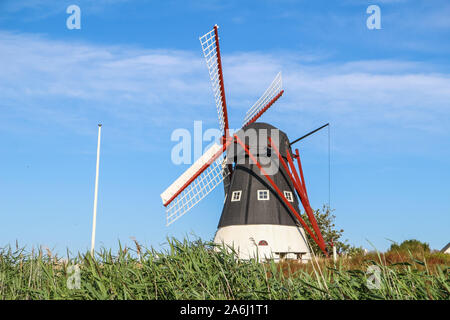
<point>263,187</point>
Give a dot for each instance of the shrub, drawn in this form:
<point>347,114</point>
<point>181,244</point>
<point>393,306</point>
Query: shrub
<point>330,233</point>
<point>413,246</point>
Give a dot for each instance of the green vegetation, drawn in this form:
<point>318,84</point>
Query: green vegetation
<point>412,245</point>
<point>330,233</point>
<point>194,270</point>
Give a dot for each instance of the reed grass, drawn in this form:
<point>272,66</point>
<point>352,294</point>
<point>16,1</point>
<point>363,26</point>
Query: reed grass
<point>199,270</point>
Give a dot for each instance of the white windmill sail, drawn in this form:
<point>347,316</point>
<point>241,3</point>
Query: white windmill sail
<point>195,183</point>
<point>273,92</point>
<point>212,168</point>
<point>211,51</point>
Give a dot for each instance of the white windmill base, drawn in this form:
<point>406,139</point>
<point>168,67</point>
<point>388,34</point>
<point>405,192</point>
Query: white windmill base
<point>283,242</point>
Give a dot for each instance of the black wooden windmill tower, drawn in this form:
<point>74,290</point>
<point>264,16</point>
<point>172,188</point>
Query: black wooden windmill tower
<point>262,176</point>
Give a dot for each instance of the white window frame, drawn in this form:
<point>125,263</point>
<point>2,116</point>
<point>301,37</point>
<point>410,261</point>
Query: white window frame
<point>289,196</point>
<point>263,199</point>
<point>237,193</point>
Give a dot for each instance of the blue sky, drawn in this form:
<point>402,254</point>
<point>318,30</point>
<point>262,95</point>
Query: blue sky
<point>137,67</point>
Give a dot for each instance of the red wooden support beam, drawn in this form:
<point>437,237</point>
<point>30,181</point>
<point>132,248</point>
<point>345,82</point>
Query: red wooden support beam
<point>305,201</point>
<point>281,195</point>
<point>300,191</point>
<point>283,163</point>
<point>301,170</point>
<point>300,182</point>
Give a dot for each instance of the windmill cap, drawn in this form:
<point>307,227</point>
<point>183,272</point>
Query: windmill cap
<point>256,142</point>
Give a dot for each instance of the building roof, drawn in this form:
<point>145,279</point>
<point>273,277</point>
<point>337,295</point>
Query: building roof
<point>446,247</point>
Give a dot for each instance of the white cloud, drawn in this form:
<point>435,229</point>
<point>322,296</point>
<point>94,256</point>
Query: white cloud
<point>67,83</point>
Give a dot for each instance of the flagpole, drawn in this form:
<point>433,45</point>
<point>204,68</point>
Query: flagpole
<point>96,191</point>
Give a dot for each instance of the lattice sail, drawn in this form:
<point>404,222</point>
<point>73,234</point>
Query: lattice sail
<point>211,52</point>
<point>272,93</point>
<point>211,169</point>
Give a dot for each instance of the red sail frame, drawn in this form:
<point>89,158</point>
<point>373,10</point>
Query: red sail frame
<point>267,106</point>
<point>225,145</point>
<point>221,83</point>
